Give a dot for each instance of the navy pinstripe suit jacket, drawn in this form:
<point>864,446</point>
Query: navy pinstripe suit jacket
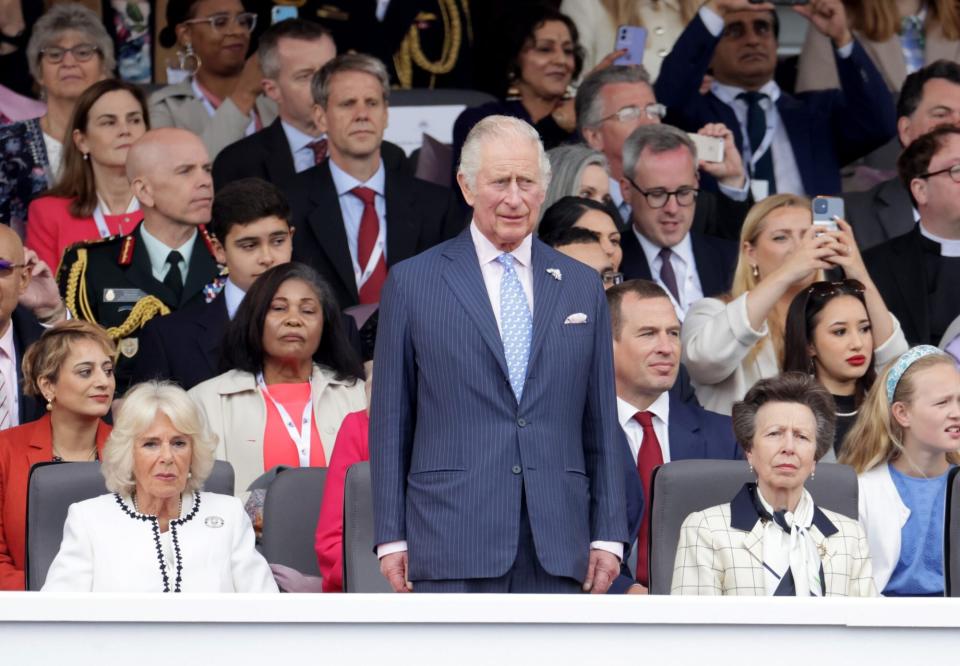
<point>450,448</point>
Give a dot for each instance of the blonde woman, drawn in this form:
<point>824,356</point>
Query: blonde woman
<point>729,343</point>
<point>903,444</point>
<point>598,20</point>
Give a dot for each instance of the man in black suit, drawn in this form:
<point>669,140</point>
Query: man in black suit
<point>917,273</point>
<point>660,181</point>
<point>929,97</point>
<point>355,218</point>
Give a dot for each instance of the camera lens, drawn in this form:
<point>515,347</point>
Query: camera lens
<point>820,207</point>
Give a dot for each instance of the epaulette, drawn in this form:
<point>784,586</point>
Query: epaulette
<point>126,250</point>
<point>83,245</point>
<point>207,239</point>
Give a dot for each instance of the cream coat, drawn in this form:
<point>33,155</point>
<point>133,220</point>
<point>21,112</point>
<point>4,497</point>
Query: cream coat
<point>882,515</point>
<point>237,414</point>
<point>108,547</point>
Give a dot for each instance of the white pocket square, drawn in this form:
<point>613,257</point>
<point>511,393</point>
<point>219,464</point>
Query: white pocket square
<point>576,318</point>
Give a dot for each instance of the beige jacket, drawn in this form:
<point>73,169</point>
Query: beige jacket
<point>237,414</point>
<point>177,106</point>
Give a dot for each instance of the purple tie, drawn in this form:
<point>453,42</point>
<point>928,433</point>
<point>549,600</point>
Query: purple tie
<point>667,276</point>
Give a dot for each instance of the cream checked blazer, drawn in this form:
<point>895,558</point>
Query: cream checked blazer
<point>721,552</point>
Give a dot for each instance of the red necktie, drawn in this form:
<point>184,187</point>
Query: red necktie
<point>648,459</point>
<point>366,241</point>
<point>319,148</point>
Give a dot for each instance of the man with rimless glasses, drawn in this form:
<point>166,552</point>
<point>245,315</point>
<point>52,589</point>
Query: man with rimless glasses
<point>661,183</point>
<point>917,273</point>
<point>791,143</point>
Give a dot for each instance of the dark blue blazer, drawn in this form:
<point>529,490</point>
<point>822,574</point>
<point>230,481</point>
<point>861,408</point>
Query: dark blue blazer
<point>716,259</point>
<point>827,128</point>
<point>452,454</point>
<point>26,331</point>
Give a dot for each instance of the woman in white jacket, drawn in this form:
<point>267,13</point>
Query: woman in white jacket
<point>903,444</point>
<point>729,343</point>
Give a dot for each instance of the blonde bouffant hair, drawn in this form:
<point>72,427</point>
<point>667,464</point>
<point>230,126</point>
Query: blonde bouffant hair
<point>876,437</point>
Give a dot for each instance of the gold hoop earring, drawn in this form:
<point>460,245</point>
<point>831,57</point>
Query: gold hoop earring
<point>188,59</point>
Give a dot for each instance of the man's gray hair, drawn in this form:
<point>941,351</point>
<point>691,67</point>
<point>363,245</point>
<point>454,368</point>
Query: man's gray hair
<point>348,62</point>
<point>499,127</point>
<point>61,18</point>
<point>140,408</point>
<point>588,103</point>
<point>299,29</point>
<point>658,139</point>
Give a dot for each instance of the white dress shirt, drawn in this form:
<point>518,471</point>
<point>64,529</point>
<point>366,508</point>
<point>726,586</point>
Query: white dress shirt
<point>660,408</point>
<point>8,366</point>
<point>351,209</point>
<point>158,252</point>
<point>492,271</point>
<point>684,267</point>
<point>232,297</point>
<point>300,150</point>
<point>949,247</point>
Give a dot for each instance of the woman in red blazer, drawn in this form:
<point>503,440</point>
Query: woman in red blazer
<point>93,196</point>
<point>71,366</point>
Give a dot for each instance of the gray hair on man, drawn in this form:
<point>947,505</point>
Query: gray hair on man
<point>589,105</point>
<point>499,127</point>
<point>69,17</point>
<point>140,407</point>
<point>658,139</point>
<point>298,29</point>
<point>348,62</point>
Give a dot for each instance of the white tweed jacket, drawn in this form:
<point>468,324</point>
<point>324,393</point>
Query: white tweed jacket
<point>721,552</point>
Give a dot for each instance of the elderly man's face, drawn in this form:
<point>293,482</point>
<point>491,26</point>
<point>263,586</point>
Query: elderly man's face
<point>161,461</point>
<point>784,448</point>
<point>179,184</point>
<point>509,191</point>
<point>13,281</point>
<point>608,137</point>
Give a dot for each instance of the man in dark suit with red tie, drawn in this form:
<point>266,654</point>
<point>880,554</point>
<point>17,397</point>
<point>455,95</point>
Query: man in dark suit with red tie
<point>354,217</point>
<point>659,427</point>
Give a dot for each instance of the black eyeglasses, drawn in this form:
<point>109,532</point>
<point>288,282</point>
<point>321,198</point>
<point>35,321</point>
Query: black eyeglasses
<point>658,197</point>
<point>737,29</point>
<point>6,267</point>
<point>954,172</point>
<point>219,22</point>
<point>81,53</point>
<point>823,290</point>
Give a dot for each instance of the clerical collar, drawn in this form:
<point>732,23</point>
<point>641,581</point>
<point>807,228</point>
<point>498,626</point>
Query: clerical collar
<point>949,247</point>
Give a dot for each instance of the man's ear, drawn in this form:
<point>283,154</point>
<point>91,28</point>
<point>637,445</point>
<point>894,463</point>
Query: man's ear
<point>593,137</point>
<point>320,118</point>
<point>270,89</point>
<point>142,191</point>
<point>218,252</point>
<point>903,129</point>
<point>465,189</point>
<point>918,187</point>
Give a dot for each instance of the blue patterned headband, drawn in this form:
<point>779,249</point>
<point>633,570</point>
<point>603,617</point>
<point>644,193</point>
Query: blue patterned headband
<point>907,359</point>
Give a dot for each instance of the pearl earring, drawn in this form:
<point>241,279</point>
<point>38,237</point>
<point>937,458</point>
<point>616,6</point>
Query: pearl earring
<point>755,271</point>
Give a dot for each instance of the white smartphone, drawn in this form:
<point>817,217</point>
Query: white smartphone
<point>825,212</point>
<point>709,148</point>
<point>634,39</point>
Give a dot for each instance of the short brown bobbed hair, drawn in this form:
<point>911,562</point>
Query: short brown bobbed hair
<point>45,357</point>
<point>790,387</point>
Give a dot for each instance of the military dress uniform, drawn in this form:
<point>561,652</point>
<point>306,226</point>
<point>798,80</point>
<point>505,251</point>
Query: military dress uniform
<point>110,282</point>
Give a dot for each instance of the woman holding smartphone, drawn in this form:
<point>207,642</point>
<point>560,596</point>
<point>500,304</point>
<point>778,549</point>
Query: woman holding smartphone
<point>731,342</point>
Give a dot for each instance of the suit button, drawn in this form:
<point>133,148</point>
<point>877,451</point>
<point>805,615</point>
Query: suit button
<point>516,469</point>
<point>522,422</point>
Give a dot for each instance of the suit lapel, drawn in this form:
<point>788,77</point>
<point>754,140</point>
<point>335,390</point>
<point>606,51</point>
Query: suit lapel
<point>634,264</point>
<point>711,274</point>
<point>278,158</point>
<point>202,269</point>
<point>213,322</point>
<point>401,231</point>
<point>686,443</point>
<point>41,441</point>
<point>463,276</point>
<point>896,211</point>
<point>546,290</point>
<point>326,223</point>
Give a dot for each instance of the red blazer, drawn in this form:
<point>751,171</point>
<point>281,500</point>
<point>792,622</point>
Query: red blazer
<point>51,228</point>
<point>20,449</point>
<point>351,447</point>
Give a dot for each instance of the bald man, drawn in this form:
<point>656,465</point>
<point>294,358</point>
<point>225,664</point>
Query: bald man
<point>122,282</point>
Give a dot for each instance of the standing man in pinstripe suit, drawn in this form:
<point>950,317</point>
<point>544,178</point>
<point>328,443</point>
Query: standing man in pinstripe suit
<point>493,437</point>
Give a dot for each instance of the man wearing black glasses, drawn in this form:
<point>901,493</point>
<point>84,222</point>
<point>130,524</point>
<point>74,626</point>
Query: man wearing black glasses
<point>661,183</point>
<point>791,143</point>
<point>917,273</point>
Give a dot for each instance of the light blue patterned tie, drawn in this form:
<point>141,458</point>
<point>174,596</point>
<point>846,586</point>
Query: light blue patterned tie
<point>912,42</point>
<point>516,323</point>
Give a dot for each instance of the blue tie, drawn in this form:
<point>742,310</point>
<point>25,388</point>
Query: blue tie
<point>912,42</point>
<point>516,324</point>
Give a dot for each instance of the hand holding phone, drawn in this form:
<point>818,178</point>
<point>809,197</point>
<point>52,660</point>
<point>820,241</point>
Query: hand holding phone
<point>826,210</point>
<point>634,40</point>
<point>709,148</point>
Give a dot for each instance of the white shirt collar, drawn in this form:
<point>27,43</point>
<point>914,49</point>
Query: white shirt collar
<point>344,182</point>
<point>728,93</point>
<point>158,251</point>
<point>233,296</point>
<point>683,249</point>
<point>488,252</point>
<point>7,346</point>
<point>660,408</point>
<point>948,247</point>
<point>296,138</point>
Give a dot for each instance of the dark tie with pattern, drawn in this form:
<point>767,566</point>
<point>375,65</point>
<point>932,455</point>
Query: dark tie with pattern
<point>319,148</point>
<point>667,276</point>
<point>366,242</point>
<point>174,278</point>
<point>756,131</point>
<point>649,458</point>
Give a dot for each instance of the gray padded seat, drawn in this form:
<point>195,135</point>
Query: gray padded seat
<point>682,487</point>
<point>361,568</point>
<point>53,487</point>
<point>290,513</point>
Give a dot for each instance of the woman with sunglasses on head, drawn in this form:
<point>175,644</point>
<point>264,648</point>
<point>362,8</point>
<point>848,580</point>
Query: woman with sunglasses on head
<point>903,444</point>
<point>732,342</point>
<point>221,100</point>
<point>829,335</point>
<point>68,52</point>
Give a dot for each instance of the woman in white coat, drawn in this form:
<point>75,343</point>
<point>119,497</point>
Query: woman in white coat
<point>156,532</point>
<point>903,444</point>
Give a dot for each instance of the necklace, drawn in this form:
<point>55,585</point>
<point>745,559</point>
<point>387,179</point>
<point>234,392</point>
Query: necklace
<point>92,456</point>
<point>133,498</point>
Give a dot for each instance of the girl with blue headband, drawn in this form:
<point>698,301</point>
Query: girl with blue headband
<point>903,445</point>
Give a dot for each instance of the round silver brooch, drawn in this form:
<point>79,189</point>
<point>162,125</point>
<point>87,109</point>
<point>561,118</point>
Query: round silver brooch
<point>213,521</point>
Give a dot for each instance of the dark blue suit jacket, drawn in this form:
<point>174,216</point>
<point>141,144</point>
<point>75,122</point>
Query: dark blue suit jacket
<point>827,128</point>
<point>716,259</point>
<point>451,451</point>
